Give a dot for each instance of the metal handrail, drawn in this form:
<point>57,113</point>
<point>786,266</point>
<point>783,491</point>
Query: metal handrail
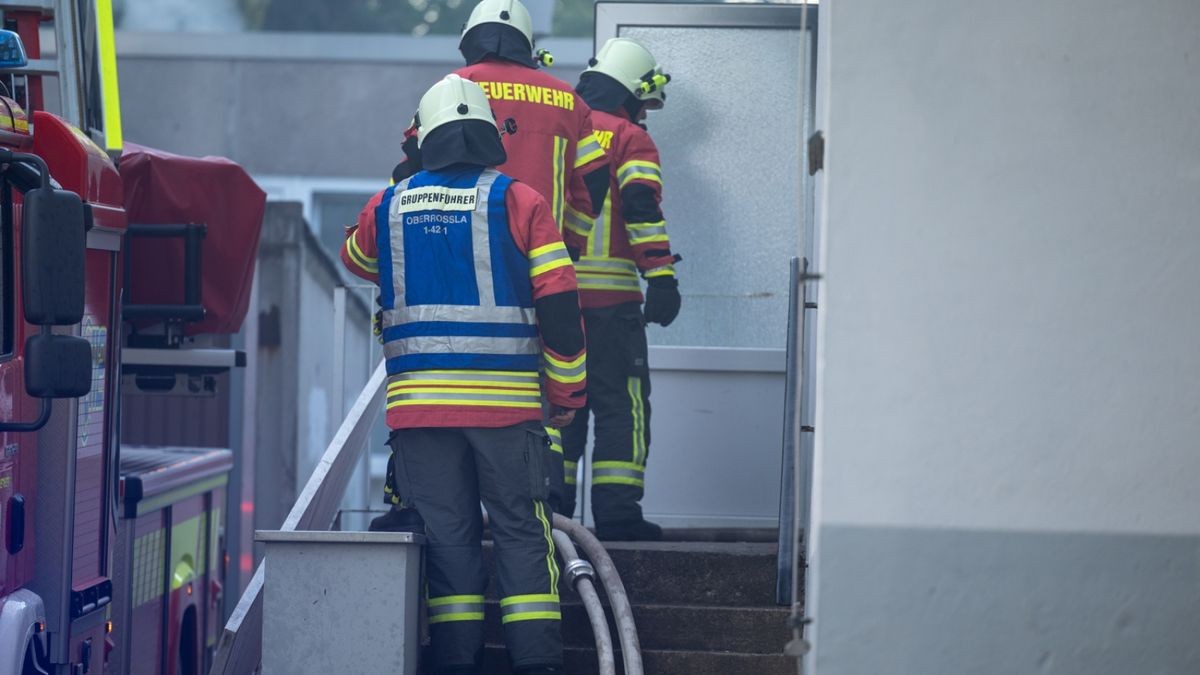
<point>240,648</point>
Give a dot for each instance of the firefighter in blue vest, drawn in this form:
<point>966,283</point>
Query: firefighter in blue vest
<point>478,295</point>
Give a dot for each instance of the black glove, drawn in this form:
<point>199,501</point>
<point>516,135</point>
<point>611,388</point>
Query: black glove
<point>662,300</point>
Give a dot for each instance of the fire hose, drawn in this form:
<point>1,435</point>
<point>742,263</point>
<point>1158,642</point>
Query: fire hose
<point>581,574</point>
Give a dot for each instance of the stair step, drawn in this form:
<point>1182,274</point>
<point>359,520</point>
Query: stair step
<point>748,630</point>
<point>688,573</point>
<point>580,661</point>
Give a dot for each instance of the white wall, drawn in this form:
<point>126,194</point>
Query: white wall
<point>1009,320</point>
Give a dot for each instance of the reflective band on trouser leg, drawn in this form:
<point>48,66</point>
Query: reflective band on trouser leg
<point>571,470</point>
<point>639,420</point>
<point>555,439</point>
<point>455,608</point>
<point>530,608</point>
<point>618,473</point>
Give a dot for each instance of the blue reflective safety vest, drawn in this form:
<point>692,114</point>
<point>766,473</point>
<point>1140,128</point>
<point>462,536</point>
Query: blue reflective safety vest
<point>454,286</point>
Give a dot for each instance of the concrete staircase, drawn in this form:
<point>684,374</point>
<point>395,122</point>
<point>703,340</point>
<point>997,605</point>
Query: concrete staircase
<point>700,608</point>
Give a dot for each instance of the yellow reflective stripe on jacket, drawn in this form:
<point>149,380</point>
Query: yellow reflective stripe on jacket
<point>455,608</point>
<point>664,271</point>
<point>549,257</point>
<point>577,222</point>
<point>567,372</point>
<point>618,473</point>
<point>356,255</point>
<point>639,169</point>
<point>644,233</point>
<point>529,608</point>
<point>587,150</point>
<point>599,273</point>
<point>560,180</point>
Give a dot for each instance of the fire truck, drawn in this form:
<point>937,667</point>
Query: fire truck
<point>112,556</point>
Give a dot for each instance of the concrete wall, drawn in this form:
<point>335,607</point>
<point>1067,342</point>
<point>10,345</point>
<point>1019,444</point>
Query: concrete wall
<point>1007,424</point>
<point>291,104</point>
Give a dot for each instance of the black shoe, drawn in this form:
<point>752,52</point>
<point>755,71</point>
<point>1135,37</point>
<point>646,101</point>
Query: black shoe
<point>637,530</point>
<point>398,520</point>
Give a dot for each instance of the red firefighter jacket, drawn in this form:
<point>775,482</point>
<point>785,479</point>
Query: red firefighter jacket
<point>553,147</point>
<point>629,234</point>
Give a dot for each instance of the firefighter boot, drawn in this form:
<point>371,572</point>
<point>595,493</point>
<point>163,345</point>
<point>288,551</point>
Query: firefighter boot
<point>637,530</point>
<point>398,519</point>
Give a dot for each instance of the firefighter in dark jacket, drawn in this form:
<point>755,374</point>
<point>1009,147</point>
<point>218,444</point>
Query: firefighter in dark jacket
<point>478,295</point>
<point>625,241</point>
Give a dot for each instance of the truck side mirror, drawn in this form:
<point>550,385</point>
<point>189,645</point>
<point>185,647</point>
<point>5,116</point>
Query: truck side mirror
<point>53,244</point>
<point>57,366</point>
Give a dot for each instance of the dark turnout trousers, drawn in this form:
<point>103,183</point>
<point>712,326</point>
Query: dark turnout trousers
<point>445,473</point>
<point>619,400</point>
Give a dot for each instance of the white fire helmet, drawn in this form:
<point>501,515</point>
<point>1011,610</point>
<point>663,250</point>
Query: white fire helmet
<point>453,99</point>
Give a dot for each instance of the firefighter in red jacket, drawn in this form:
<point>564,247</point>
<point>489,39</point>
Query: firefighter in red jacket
<point>478,294</point>
<point>627,238</point>
<point>551,147</point>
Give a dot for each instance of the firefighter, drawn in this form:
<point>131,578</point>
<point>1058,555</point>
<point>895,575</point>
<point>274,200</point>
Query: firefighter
<point>478,293</point>
<point>551,146</point>
<point>628,238</point>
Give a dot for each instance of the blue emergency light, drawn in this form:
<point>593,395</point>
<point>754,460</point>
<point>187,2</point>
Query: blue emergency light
<point>12,52</point>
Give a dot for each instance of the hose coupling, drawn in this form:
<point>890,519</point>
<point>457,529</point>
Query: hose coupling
<point>579,569</point>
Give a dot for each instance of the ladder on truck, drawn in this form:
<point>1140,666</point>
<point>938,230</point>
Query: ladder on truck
<point>83,62</point>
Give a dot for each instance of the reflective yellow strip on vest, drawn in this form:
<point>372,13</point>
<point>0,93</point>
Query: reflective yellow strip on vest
<point>505,379</point>
<point>588,150</point>
<point>455,608</point>
<point>639,170</point>
<point>643,233</point>
<point>549,257</point>
<point>567,372</point>
<point>577,222</point>
<point>618,473</point>
<point>529,608</point>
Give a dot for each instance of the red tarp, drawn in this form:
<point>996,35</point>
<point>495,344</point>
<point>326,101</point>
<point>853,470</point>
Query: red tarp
<point>166,189</point>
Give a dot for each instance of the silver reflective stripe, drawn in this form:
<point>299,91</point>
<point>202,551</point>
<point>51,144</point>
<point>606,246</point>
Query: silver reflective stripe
<point>403,395</point>
<point>631,171</point>
<point>523,607</point>
<point>396,240</point>
<point>470,378</point>
<point>481,239</point>
<point>565,372</point>
<point>460,344</point>
<point>459,314</point>
<point>548,257</point>
<point>609,280</point>
<point>646,230</point>
<point>586,264</point>
<point>577,223</point>
<point>588,147</point>
<point>599,235</point>
<point>618,473</point>
<point>456,608</point>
